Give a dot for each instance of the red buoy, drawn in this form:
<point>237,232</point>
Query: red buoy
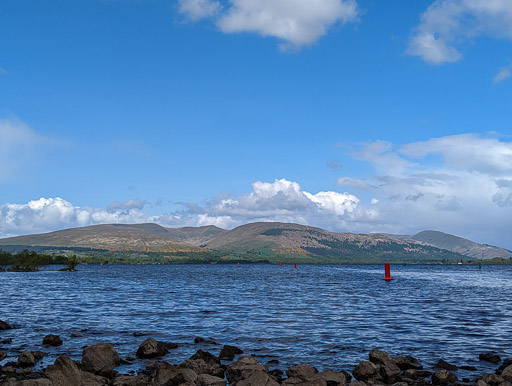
<point>281,263</point>
<point>295,265</point>
<point>387,270</point>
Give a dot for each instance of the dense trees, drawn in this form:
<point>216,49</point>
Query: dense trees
<point>30,261</point>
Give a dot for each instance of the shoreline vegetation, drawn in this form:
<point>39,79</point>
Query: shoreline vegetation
<point>231,366</point>
<point>32,261</point>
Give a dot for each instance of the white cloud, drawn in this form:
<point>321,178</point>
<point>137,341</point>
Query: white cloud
<point>503,73</point>
<point>448,24</point>
<point>198,9</point>
<point>296,23</point>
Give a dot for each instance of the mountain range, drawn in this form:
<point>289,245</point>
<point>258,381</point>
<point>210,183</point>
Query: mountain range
<point>270,241</point>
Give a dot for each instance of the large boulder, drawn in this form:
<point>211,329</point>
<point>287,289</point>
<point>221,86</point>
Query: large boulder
<point>243,368</point>
<point>443,377</point>
<point>301,371</point>
<point>408,363</point>
<point>26,359</point>
<point>131,380</point>
<point>387,366</point>
<point>205,356</point>
<point>64,372</point>
<point>493,379</point>
<point>199,366</point>
<point>257,378</point>
<point>209,380</point>
<point>90,379</point>
<point>151,348</point>
<point>52,340</point>
<point>100,359</point>
<point>228,352</point>
<point>507,373</point>
<point>442,364</point>
<point>366,371</point>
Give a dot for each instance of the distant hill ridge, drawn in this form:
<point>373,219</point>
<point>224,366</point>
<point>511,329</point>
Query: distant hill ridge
<point>265,240</point>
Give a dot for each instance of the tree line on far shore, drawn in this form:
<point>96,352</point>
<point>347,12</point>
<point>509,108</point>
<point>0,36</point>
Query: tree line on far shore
<point>31,261</point>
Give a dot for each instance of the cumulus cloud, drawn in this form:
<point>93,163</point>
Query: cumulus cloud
<point>448,24</point>
<point>48,214</point>
<point>503,73</point>
<point>296,23</point>
<point>198,9</point>
<point>460,184</point>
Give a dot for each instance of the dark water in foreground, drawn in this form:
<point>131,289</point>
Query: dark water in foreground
<point>327,316</point>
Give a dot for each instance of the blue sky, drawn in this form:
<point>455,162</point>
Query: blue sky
<point>360,116</point>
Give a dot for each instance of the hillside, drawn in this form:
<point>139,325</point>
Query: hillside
<point>111,237</point>
<point>287,240</point>
<point>461,245</point>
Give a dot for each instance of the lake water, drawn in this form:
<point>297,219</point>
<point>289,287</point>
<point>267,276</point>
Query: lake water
<point>324,315</point>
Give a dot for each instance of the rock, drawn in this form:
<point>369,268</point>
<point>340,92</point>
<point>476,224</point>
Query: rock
<point>151,366</point>
<point>507,362</point>
<point>257,378</point>
<point>388,368</point>
<point>331,377</point>
<point>410,373</point>
<point>366,371</point>
<point>76,334</point>
<point>277,375</point>
<point>228,352</point>
<point>100,359</point>
<point>507,373</point>
<point>209,380</point>
<point>131,380</point>
<point>206,356</point>
<point>90,379</point>
<point>30,382</point>
<point>26,359</point>
<point>52,340</point>
<point>198,340</point>
<point>492,379</point>
<point>423,373</point>
<point>64,372</point>
<point>6,341</point>
<point>4,325</point>
<point>301,371</point>
<point>490,357</point>
<point>357,383</point>
<point>165,373</point>
<point>442,364</point>
<point>182,376</point>
<point>3,355</point>
<point>243,368</point>
<point>199,366</point>
<point>443,377</point>
<point>468,368</point>
<point>150,348</point>
<point>407,362</point>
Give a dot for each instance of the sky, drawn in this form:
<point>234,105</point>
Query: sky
<point>351,115</point>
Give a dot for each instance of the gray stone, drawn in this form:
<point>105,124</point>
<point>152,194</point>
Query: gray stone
<point>52,340</point>
<point>26,359</point>
<point>209,380</point>
<point>90,379</point>
<point>243,368</point>
<point>492,379</point>
<point>228,352</point>
<point>301,371</point>
<point>4,325</point>
<point>366,371</point>
<point>151,348</point>
<point>258,378</point>
<point>64,372</point>
<point>507,373</point>
<point>131,380</point>
<point>100,359</point>
<point>443,377</point>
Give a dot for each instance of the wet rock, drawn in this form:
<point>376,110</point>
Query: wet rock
<point>64,372</point>
<point>366,371</point>
<point>165,373</point>
<point>388,368</point>
<point>209,380</point>
<point>357,383</point>
<point>490,357</point>
<point>199,366</point>
<point>443,377</point>
<point>29,382</point>
<point>90,379</point>
<point>507,373</point>
<point>151,348</point>
<point>468,368</point>
<point>138,334</point>
<point>301,371</point>
<point>131,380</point>
<point>76,334</point>
<point>277,375</point>
<point>199,339</point>
<point>3,355</point>
<point>411,374</point>
<point>4,325</point>
<point>348,377</point>
<point>331,378</point>
<point>183,376</point>
<point>423,373</point>
<point>507,362</point>
<point>407,362</point>
<point>442,364</point>
<point>151,366</point>
<point>206,356</point>
<point>228,352</point>
<point>100,359</point>
<point>243,368</point>
<point>26,359</point>
<point>492,379</point>
<point>258,378</point>
<point>52,340</point>
<point>6,341</point>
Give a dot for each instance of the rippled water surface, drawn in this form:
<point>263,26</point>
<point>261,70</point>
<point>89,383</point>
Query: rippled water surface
<point>327,316</point>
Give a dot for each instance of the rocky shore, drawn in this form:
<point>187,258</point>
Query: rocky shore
<point>230,367</point>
